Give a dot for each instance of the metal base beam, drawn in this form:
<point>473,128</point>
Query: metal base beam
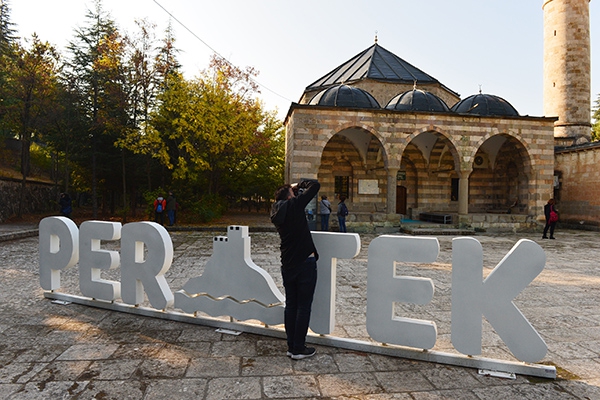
<point>537,370</point>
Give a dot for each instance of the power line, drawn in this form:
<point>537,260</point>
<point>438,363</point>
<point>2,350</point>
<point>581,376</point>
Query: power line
<point>216,52</point>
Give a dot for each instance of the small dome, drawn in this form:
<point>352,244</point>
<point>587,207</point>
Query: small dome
<point>485,104</point>
<point>417,100</point>
<point>344,96</point>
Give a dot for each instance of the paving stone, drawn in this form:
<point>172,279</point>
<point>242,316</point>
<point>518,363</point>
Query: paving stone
<point>267,365</point>
<point>285,387</point>
<point>137,350</point>
<point>348,384</point>
<point>353,362</point>
<point>50,390</point>
<point>549,391</point>
<point>111,370</point>
<point>445,377</point>
<point>176,389</point>
<point>41,353</point>
<point>234,388</point>
<point>404,381</point>
<point>6,389</point>
<point>52,351</point>
<point>214,367</point>
<point>318,364</point>
<point>88,352</point>
<point>62,371</point>
<point>16,372</point>
<point>163,368</point>
<point>445,395</point>
<point>113,389</point>
<point>239,348</point>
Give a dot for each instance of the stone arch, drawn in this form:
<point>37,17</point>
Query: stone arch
<point>502,175</point>
<point>489,135</point>
<point>353,125</point>
<point>434,161</point>
<point>435,130</point>
<point>354,155</point>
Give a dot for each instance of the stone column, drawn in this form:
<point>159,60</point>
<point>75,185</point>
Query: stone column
<point>392,182</point>
<point>463,194</point>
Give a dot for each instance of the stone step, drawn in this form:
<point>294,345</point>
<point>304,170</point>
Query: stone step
<point>437,230</point>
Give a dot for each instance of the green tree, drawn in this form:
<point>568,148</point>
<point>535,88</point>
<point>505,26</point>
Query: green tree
<point>90,70</point>
<point>213,133</point>
<point>7,32</point>
<point>150,66</point>
<point>596,123</point>
<point>34,86</point>
<point>8,42</point>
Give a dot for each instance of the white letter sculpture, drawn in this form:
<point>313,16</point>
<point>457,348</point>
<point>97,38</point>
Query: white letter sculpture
<point>473,298</point>
<point>59,249</point>
<point>93,259</point>
<point>384,288</point>
<point>139,273</point>
<point>232,284</point>
<point>330,247</point>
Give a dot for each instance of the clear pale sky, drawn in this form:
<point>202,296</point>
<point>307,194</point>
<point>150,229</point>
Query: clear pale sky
<point>497,44</point>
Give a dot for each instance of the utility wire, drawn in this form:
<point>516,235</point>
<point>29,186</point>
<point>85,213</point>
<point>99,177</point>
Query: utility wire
<point>216,52</point>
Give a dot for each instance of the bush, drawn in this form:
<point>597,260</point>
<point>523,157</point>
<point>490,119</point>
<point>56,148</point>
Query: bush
<point>208,208</point>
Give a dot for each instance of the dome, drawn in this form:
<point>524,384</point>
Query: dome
<point>344,96</point>
<point>417,100</point>
<point>485,104</point>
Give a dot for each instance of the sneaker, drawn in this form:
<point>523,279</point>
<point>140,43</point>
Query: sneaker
<point>288,353</point>
<point>307,352</point>
<point>544,237</point>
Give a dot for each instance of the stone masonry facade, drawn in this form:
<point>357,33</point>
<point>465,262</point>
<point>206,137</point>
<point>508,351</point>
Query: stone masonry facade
<point>578,193</point>
<point>522,166</point>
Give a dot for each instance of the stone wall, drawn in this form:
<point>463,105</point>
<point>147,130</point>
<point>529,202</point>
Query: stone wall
<point>39,198</point>
<point>578,194</point>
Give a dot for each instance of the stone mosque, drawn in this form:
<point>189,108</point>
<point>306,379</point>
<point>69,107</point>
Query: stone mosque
<point>402,146</point>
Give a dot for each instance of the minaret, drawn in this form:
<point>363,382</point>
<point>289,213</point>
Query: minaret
<point>567,79</point>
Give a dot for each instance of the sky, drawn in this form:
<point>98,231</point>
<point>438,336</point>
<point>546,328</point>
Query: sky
<point>495,45</point>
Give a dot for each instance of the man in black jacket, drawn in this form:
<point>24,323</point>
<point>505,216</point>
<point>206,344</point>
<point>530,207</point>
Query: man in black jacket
<point>298,262</point>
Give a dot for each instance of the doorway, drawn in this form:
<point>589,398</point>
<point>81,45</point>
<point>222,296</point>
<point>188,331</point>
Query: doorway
<point>400,200</point>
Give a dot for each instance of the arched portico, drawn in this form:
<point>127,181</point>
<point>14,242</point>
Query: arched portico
<point>501,177</point>
<point>353,165</point>
<point>429,174</point>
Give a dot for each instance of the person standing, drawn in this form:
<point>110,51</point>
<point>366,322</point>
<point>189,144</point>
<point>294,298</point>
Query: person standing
<point>342,213</point>
<point>171,207</point>
<point>66,205</point>
<point>551,219</point>
<point>159,210</point>
<point>325,213</point>
<point>298,262</point>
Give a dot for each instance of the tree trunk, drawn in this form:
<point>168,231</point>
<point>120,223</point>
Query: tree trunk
<point>124,169</point>
<point>25,146</point>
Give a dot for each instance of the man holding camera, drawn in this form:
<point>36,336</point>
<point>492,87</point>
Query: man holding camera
<point>298,262</point>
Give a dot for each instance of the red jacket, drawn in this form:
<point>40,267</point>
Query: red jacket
<point>163,202</point>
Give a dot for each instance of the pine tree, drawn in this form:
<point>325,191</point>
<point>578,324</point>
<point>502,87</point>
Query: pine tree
<point>7,31</point>
<point>90,84</point>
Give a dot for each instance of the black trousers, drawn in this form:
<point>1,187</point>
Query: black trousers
<point>550,225</point>
<point>299,283</point>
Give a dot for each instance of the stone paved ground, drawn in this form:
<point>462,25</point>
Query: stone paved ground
<point>51,351</point>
